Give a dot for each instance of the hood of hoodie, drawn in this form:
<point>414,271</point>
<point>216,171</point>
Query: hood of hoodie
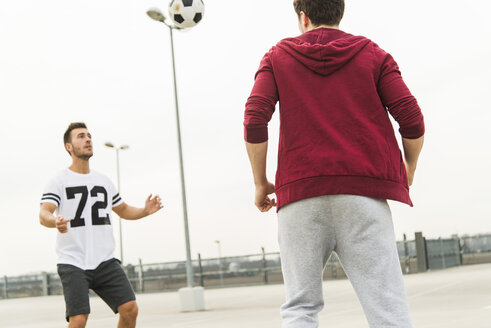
<point>324,50</point>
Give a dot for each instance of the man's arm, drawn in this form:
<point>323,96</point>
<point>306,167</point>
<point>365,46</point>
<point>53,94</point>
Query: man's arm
<point>128,212</point>
<point>261,103</point>
<point>398,100</point>
<point>47,219</point>
<point>412,149</point>
<point>260,107</point>
<point>402,105</point>
<point>257,156</point>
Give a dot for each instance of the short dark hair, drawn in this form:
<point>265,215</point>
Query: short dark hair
<point>321,12</point>
<point>67,137</point>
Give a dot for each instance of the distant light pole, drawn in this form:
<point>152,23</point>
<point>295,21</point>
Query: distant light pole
<point>110,145</point>
<point>220,261</point>
<point>155,14</point>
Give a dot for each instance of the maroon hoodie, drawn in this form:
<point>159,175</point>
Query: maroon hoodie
<point>334,91</point>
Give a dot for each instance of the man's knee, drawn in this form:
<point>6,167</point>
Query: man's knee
<point>78,321</point>
<point>128,310</point>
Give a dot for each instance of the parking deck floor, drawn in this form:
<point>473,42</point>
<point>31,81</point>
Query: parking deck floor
<point>456,297</point>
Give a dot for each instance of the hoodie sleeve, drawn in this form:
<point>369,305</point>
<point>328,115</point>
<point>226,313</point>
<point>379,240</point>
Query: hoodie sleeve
<point>261,103</point>
<point>397,98</point>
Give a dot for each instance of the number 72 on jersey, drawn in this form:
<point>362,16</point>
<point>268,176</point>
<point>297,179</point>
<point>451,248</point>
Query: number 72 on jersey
<point>79,221</point>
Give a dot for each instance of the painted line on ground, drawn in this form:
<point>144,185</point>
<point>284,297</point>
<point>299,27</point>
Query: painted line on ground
<point>429,291</point>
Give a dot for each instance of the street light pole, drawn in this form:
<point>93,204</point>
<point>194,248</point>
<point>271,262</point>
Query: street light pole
<point>189,264</point>
<point>220,271</point>
<point>117,149</point>
<point>158,16</point>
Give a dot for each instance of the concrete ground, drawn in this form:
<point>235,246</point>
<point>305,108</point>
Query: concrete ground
<point>457,297</point>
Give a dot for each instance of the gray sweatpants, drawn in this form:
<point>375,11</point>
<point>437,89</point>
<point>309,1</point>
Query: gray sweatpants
<point>360,230</point>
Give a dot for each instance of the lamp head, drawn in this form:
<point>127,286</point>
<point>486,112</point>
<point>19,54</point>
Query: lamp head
<point>156,14</point>
<point>108,144</point>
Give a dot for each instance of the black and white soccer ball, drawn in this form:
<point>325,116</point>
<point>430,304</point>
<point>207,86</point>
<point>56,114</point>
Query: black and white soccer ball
<point>186,13</point>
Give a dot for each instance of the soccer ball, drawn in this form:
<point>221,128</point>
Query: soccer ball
<point>186,13</point>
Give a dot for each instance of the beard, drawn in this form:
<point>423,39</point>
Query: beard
<point>82,153</point>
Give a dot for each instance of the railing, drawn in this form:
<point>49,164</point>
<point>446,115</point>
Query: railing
<point>254,269</point>
<point>440,253</point>
<point>213,272</point>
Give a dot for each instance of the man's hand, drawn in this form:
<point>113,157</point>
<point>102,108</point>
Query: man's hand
<point>410,170</point>
<point>262,201</point>
<point>61,224</point>
<point>412,149</point>
<point>153,205</point>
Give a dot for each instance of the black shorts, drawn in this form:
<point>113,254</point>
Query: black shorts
<point>108,281</point>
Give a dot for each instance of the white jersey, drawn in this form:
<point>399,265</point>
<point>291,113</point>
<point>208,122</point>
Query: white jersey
<point>87,200</point>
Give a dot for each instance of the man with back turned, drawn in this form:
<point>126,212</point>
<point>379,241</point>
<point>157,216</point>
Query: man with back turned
<point>338,162</point>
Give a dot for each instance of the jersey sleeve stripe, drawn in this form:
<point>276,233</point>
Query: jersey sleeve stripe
<point>54,195</point>
<point>51,198</point>
<point>115,196</point>
<point>116,201</point>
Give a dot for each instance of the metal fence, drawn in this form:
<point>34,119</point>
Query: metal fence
<point>254,269</point>
<point>406,248</point>
<point>211,272</point>
<point>262,268</point>
<point>476,244</point>
<point>30,285</point>
<point>441,253</point>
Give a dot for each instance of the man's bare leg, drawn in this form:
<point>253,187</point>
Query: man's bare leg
<point>78,321</point>
<point>127,315</point>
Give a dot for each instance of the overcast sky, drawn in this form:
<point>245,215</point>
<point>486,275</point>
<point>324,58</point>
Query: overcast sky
<point>108,64</point>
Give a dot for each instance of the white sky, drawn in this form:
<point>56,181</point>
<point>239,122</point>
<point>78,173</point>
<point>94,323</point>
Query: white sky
<point>108,64</point>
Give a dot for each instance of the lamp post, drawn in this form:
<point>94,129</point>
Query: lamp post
<point>220,271</point>
<point>191,297</point>
<point>110,145</point>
